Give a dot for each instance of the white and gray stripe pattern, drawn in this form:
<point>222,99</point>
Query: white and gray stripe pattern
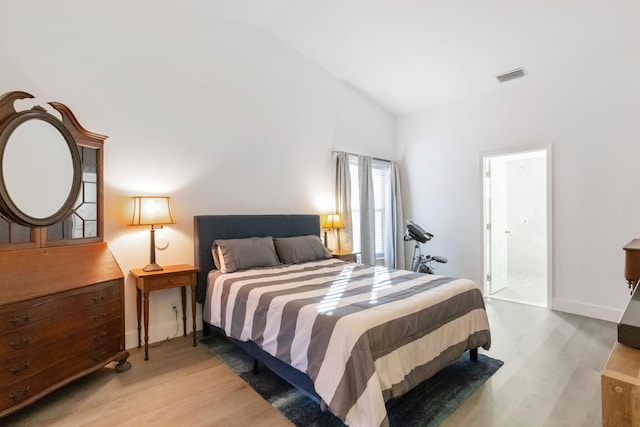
<point>363,334</point>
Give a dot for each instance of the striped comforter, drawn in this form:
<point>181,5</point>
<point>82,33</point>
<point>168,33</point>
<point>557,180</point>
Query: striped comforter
<point>363,334</point>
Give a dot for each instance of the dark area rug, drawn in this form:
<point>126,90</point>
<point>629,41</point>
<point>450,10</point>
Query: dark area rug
<point>429,404</point>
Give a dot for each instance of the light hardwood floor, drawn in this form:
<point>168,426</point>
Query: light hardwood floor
<point>551,377</point>
<point>178,386</point>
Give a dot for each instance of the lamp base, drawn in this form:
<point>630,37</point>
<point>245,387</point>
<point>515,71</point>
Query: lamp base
<point>152,267</point>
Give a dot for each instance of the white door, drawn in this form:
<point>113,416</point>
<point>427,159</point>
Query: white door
<point>497,226</point>
<point>516,215</point>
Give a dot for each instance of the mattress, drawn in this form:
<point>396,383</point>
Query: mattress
<point>363,334</point>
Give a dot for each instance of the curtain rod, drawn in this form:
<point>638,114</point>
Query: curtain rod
<point>357,155</point>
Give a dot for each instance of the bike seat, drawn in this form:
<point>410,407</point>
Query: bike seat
<point>439,259</point>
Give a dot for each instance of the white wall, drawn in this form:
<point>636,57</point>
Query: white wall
<point>590,116</point>
<point>221,116</point>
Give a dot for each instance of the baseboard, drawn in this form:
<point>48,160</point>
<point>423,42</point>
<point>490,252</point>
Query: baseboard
<point>157,333</point>
<point>595,311</point>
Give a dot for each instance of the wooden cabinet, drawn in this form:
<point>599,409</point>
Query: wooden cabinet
<point>620,379</point>
<point>61,290</point>
<point>621,388</point>
<point>632,263</point>
<point>59,320</point>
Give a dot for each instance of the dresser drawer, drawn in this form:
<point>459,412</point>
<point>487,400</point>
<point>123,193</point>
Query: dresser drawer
<point>55,375</point>
<point>172,280</point>
<point>27,313</point>
<point>24,364</point>
<point>61,317</point>
<point>39,336</point>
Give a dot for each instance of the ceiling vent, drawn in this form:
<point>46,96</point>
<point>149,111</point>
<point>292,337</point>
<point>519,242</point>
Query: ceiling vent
<point>511,75</point>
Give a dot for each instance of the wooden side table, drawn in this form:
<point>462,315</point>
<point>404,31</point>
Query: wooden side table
<point>345,255</point>
<point>172,276</point>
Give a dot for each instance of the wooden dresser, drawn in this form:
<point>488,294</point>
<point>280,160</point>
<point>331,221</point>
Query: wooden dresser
<point>61,290</point>
<point>61,317</point>
<point>620,379</point>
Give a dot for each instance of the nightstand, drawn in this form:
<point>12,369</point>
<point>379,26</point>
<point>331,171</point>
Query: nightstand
<point>172,276</point>
<point>345,255</point>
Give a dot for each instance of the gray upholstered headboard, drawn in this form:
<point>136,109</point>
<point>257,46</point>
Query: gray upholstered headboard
<point>208,228</point>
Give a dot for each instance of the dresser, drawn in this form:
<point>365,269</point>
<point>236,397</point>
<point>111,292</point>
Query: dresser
<point>620,386</point>
<point>59,320</point>
<point>61,290</point>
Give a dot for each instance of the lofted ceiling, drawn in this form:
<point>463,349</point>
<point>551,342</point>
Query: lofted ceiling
<point>409,55</point>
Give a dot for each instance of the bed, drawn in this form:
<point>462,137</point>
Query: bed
<point>348,335</point>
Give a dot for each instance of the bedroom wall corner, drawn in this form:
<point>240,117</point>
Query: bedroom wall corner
<point>589,115</point>
<point>222,116</point>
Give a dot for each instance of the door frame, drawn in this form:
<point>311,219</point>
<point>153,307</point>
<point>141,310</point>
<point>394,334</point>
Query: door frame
<point>486,257</point>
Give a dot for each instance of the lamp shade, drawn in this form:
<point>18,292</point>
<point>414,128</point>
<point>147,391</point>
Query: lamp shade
<point>333,221</point>
<point>151,210</point>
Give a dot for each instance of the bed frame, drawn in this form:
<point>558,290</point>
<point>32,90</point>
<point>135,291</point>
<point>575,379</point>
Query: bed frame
<point>208,228</point>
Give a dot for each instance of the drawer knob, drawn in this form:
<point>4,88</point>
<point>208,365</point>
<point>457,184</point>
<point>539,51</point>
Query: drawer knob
<point>20,393</point>
<point>100,336</point>
<point>20,343</point>
<point>20,319</point>
<point>98,298</point>
<point>98,317</point>
<point>20,367</point>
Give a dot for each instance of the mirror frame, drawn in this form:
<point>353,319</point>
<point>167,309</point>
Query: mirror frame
<point>7,205</point>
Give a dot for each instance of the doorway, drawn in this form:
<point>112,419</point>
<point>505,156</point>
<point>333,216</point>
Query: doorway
<point>516,227</point>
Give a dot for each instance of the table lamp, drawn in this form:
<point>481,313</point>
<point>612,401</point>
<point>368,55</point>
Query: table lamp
<point>154,211</point>
<point>332,222</point>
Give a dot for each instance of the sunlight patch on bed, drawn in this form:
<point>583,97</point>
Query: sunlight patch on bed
<point>335,292</point>
<point>381,280</point>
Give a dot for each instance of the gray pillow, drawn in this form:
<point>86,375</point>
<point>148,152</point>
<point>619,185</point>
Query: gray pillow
<point>294,250</point>
<point>231,255</point>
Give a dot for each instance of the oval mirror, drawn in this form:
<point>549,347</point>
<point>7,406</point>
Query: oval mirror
<point>40,174</point>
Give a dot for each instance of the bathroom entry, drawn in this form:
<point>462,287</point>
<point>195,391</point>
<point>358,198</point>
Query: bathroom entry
<point>515,227</point>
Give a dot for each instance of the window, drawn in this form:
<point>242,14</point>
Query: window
<point>380,171</point>
<point>83,221</point>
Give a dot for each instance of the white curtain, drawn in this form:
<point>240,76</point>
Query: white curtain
<point>394,222</point>
<point>342,204</point>
<point>393,219</point>
<point>367,212</point>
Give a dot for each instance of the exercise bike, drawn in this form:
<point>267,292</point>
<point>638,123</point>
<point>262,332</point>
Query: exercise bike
<point>421,263</point>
